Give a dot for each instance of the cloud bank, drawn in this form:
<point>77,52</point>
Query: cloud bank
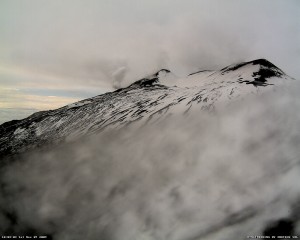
<point>85,43</point>
<point>226,175</point>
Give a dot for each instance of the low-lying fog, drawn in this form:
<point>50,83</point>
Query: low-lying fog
<point>224,175</point>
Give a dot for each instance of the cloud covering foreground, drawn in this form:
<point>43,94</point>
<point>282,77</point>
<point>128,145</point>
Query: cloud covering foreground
<point>228,174</point>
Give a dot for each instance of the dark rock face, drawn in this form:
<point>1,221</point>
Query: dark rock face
<point>145,82</point>
<point>266,70</point>
<point>200,72</point>
<point>282,227</point>
<point>262,62</point>
<point>163,70</point>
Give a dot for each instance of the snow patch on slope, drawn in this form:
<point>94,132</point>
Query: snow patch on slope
<point>20,134</point>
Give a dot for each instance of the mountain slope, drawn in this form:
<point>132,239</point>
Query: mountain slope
<point>228,175</point>
<point>147,100</point>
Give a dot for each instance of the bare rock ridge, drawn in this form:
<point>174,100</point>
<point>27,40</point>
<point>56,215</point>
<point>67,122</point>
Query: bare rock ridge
<point>144,101</point>
<point>266,70</point>
<point>151,80</point>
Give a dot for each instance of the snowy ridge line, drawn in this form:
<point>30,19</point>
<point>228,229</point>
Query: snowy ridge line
<point>148,100</point>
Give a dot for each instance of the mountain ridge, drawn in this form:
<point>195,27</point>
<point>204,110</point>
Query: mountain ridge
<point>146,100</point>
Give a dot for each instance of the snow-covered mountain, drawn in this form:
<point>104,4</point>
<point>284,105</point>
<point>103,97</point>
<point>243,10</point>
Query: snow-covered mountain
<point>192,175</point>
<point>145,101</point>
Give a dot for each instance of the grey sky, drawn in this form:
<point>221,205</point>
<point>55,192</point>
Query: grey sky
<point>90,46</point>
